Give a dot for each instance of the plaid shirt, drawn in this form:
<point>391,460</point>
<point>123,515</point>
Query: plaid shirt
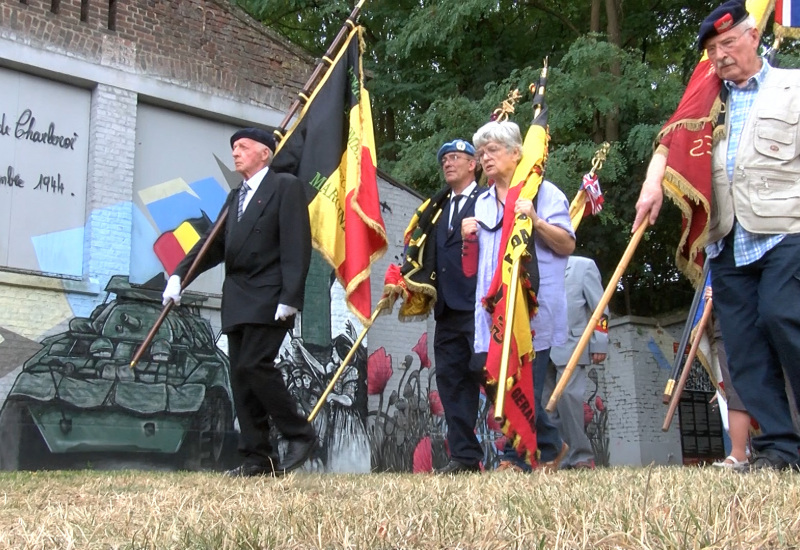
<point>747,247</point>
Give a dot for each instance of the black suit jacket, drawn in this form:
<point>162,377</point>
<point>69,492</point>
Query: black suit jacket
<point>267,253</point>
<point>452,286</point>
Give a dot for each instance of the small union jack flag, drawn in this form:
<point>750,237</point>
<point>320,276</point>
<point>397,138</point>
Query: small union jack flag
<point>594,195</point>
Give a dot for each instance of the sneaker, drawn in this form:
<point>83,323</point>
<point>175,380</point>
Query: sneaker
<point>508,466</point>
<point>552,465</point>
<point>730,463</point>
<point>769,462</point>
<point>582,465</point>
<point>456,467</point>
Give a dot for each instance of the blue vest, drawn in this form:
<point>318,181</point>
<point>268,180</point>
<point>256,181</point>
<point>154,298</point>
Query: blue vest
<point>452,287</point>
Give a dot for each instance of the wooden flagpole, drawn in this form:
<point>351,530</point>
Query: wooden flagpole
<point>502,375</point>
<point>598,313</point>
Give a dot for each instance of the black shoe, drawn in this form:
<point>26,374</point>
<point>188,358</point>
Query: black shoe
<point>251,469</point>
<point>297,453</point>
<point>770,462</point>
<point>456,467</point>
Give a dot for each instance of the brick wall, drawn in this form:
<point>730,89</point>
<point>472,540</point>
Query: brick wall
<point>398,338</point>
<point>633,380</point>
<point>207,45</point>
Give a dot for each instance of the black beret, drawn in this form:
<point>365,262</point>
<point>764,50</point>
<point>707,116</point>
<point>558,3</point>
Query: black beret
<point>256,134</point>
<point>721,20</point>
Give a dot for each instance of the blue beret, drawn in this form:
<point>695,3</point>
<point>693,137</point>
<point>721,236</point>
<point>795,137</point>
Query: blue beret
<point>256,134</point>
<point>721,20</point>
<point>455,146</point>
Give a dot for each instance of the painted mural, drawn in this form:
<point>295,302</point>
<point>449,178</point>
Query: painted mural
<point>77,398</point>
<point>44,149</point>
<point>595,421</point>
<point>341,422</point>
<point>407,429</point>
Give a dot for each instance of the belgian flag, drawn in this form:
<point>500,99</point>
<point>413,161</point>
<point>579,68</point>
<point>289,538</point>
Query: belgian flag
<point>332,148</point>
<point>172,246</point>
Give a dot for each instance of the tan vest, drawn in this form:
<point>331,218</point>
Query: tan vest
<point>764,195</point>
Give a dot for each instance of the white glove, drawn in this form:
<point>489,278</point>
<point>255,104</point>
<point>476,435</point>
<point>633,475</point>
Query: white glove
<point>284,312</point>
<point>172,291</point>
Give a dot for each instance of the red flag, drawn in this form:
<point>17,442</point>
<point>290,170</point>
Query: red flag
<point>686,139</point>
<point>594,195</point>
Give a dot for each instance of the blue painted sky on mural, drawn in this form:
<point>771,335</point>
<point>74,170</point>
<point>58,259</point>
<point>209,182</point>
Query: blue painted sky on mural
<point>60,252</point>
<point>170,211</point>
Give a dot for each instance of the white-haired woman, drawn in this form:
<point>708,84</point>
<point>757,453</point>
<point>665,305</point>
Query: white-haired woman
<point>499,149</point>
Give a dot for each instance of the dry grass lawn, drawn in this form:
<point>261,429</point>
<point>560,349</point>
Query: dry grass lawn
<point>612,508</point>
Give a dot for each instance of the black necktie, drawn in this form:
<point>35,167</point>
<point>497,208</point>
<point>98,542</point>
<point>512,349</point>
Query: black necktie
<point>454,210</point>
<point>242,195</point>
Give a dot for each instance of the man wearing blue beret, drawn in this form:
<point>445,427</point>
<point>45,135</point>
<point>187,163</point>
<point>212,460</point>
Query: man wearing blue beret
<point>266,248</point>
<point>459,386</point>
<point>750,196</point>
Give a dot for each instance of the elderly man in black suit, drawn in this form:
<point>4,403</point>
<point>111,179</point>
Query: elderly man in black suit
<point>266,247</point>
<point>459,386</point>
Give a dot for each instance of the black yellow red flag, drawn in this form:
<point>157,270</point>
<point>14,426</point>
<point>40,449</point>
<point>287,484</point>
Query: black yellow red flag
<point>517,233</point>
<point>332,148</point>
<point>415,280</point>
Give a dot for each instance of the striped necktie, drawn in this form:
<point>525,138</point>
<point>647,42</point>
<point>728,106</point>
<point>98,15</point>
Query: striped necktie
<point>242,195</point>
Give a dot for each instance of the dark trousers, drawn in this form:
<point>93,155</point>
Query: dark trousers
<point>459,387</point>
<point>547,437</point>
<point>259,392</point>
<point>758,306</point>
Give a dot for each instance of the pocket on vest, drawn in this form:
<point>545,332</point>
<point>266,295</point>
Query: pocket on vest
<point>774,196</point>
<point>776,134</point>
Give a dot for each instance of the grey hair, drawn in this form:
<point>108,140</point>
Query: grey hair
<point>748,23</point>
<point>505,133</point>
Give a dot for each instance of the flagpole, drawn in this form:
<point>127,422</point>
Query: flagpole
<point>343,366</point>
<point>687,329</point>
<point>325,62</point>
<point>189,274</point>
<point>507,335</point>
<point>538,90</point>
<point>598,313</point>
<point>386,302</point>
<point>302,98</point>
<point>687,367</point>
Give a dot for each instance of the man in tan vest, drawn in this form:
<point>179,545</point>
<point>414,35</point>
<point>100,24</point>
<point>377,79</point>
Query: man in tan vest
<point>754,226</point>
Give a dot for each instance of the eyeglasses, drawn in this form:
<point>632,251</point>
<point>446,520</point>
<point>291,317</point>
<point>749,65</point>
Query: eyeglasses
<point>724,45</point>
<point>490,150</point>
<point>452,158</point>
